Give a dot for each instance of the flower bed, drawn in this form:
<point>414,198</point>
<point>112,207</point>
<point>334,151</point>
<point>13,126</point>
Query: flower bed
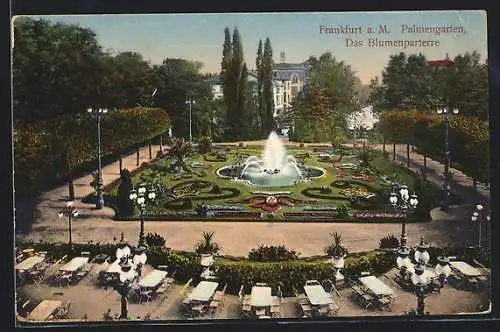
<point>320,208</point>
<point>237,214</point>
<point>309,215</point>
<point>223,208</point>
<point>377,215</point>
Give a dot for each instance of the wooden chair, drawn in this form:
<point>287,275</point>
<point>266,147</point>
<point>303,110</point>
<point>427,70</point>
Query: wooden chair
<point>213,307</point>
<point>63,311</point>
<point>145,296</point>
<point>306,310</point>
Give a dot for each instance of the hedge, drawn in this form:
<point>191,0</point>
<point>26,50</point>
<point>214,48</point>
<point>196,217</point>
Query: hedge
<point>468,138</point>
<point>235,271</point>
<point>45,151</point>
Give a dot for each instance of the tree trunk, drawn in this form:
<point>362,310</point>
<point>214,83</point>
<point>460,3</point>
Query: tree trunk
<point>137,155</point>
<point>425,161</point>
<point>383,145</point>
<point>408,155</point>
<point>393,151</point>
<point>121,163</point>
<point>474,189</point>
<point>150,152</point>
<point>161,143</point>
<point>71,187</point>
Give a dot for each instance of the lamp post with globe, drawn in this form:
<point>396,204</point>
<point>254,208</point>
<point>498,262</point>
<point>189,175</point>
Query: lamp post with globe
<point>402,201</point>
<point>69,212</point>
<point>446,186</point>
<point>98,114</point>
<point>478,216</point>
<point>130,271</point>
<point>141,197</point>
<point>421,274</point>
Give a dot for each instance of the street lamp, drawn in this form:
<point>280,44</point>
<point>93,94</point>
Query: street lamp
<point>98,114</point>
<point>421,278</point>
<point>402,201</point>
<point>190,102</point>
<point>478,215</point>
<point>130,271</point>
<point>446,188</point>
<point>141,197</point>
<point>69,212</point>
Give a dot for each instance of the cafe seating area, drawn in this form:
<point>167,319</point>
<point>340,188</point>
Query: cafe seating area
<point>260,303</point>
<point>72,272</point>
<point>203,300</point>
<point>31,266</point>
<point>372,293</point>
<point>315,301</point>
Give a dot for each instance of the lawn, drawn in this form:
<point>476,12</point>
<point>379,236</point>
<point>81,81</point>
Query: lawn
<point>196,186</point>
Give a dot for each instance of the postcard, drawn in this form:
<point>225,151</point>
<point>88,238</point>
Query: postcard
<point>179,167</point>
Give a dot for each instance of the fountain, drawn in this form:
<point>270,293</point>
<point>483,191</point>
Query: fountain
<point>275,169</point>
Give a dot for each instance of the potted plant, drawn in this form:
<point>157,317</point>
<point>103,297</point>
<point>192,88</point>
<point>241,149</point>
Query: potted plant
<point>335,249</point>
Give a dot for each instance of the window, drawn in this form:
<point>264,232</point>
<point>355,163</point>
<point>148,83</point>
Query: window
<point>295,79</point>
<point>275,73</point>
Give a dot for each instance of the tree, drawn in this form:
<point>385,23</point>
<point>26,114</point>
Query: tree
<point>228,80</point>
<point>125,206</point>
<point>259,69</point>
<point>267,87</point>
<point>54,69</point>
<point>234,78</point>
<point>179,79</point>
<point>468,85</point>
<point>179,149</point>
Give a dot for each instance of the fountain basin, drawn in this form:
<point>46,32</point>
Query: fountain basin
<point>263,179</point>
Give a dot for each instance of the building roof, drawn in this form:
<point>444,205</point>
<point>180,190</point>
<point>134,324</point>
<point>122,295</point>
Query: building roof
<point>289,66</point>
<point>213,80</point>
<point>440,63</point>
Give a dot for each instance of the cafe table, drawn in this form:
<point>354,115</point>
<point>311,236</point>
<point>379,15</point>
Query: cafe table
<point>465,269</point>
<point>74,264</point>
<point>261,296</point>
<point>29,263</point>
<point>376,286</point>
<point>203,291</point>
<point>43,311</point>
<point>317,295</point>
<point>153,279</point>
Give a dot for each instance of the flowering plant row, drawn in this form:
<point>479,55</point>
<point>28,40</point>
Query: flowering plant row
<point>376,214</point>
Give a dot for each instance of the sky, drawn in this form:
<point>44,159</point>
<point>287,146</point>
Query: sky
<point>200,37</point>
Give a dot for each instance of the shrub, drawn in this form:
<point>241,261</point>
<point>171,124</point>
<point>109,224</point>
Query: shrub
<point>215,189</point>
<point>205,144</point>
<point>125,205</point>
<point>343,211</point>
<point>155,240</point>
<point>301,145</point>
<point>62,143</point>
<point>272,254</point>
<point>389,242</point>
<point>240,144</point>
<point>293,274</point>
<point>325,190</point>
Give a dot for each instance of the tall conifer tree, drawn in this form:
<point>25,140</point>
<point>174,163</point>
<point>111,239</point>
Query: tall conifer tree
<point>258,66</point>
<point>226,75</point>
<point>267,86</point>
